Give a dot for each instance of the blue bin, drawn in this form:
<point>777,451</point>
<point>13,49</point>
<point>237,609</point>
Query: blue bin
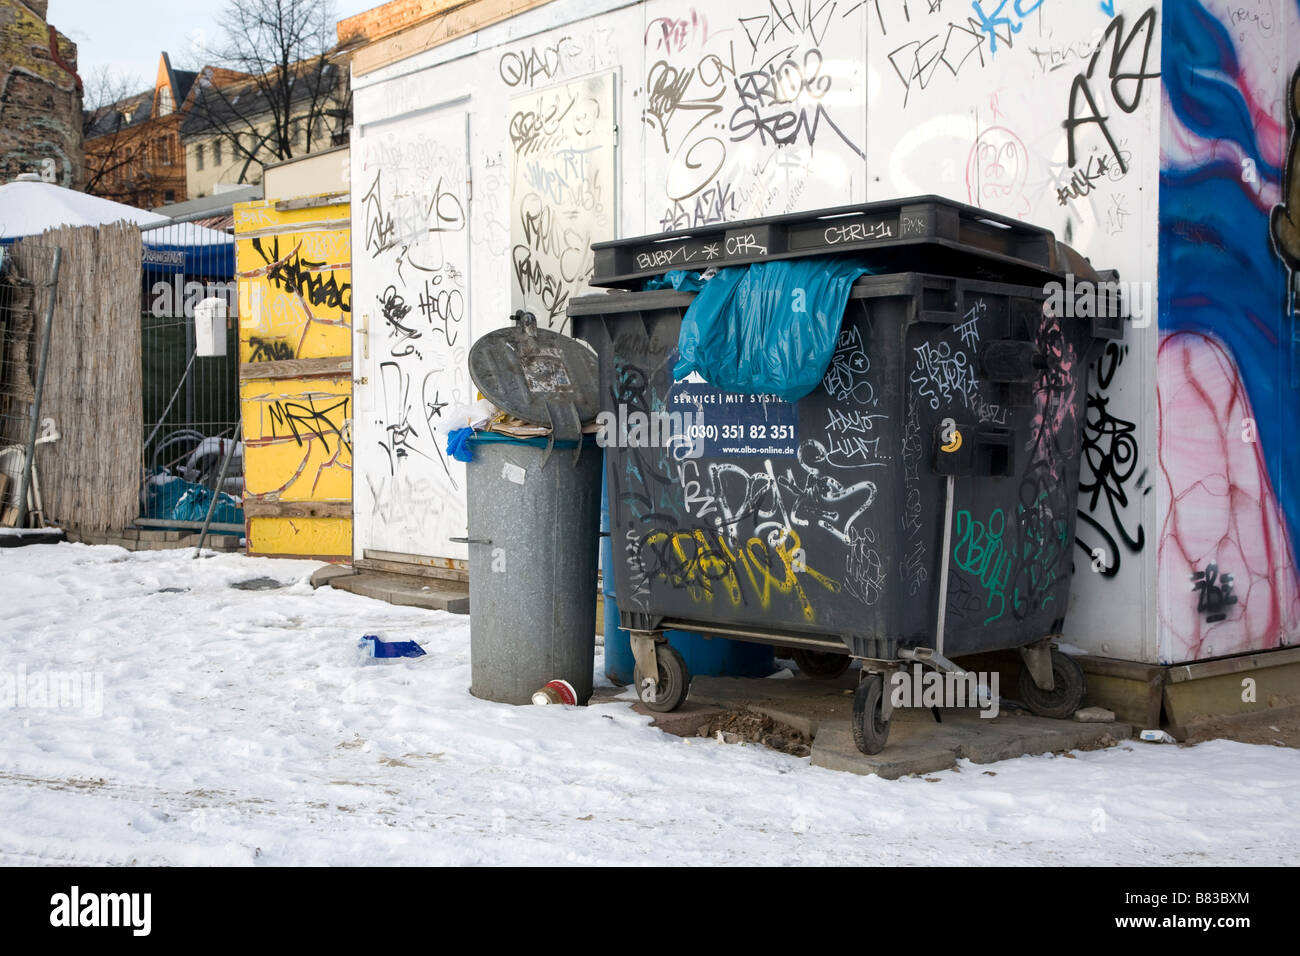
<point>704,656</point>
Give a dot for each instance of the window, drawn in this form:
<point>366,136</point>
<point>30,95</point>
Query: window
<point>317,129</point>
<point>198,156</point>
<point>216,152</point>
<point>169,195</point>
<point>295,135</point>
<point>165,104</point>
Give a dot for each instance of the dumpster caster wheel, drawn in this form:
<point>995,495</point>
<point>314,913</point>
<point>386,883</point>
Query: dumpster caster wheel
<point>1063,699</point>
<point>673,684</point>
<point>870,729</point>
<point>821,665</point>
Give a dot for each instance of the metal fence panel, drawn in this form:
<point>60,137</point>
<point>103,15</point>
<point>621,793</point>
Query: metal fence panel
<point>191,401</point>
<point>28,276</point>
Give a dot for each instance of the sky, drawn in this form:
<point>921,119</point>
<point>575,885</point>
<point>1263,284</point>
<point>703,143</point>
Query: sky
<point>128,36</point>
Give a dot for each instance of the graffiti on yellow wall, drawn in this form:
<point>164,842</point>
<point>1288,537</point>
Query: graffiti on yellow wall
<point>295,343</point>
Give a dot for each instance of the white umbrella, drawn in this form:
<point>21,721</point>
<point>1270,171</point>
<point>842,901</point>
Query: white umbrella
<point>28,208</point>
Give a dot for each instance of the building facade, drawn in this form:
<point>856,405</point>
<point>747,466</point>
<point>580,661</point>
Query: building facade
<point>133,146</point>
<point>232,130</point>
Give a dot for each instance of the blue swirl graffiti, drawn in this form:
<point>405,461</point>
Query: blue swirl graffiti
<point>1218,272</point>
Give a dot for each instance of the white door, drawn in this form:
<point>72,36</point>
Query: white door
<point>410,240</point>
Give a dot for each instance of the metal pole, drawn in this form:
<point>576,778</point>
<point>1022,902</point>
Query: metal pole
<point>190,348</point>
<point>943,568</point>
<point>29,459</point>
<point>221,480</point>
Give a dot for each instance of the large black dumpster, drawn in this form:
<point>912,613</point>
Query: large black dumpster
<point>939,457</point>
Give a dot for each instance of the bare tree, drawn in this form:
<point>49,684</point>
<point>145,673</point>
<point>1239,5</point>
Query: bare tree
<point>105,121</point>
<point>295,80</point>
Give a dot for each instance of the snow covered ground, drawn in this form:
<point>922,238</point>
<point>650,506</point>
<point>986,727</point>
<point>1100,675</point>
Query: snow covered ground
<point>240,727</point>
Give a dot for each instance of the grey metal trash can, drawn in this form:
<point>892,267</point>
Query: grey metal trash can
<point>534,517</point>
<point>534,523</point>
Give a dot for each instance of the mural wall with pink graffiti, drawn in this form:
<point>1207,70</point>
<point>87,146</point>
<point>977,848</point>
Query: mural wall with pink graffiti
<point>1050,112</point>
<point>1227,364</point>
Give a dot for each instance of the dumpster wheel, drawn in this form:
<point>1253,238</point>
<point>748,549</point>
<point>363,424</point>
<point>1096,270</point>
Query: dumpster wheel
<point>821,665</point>
<point>674,681</point>
<point>1067,694</point>
<point>870,728</point>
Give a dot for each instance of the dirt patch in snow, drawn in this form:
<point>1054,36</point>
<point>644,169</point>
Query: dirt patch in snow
<point>748,726</point>
<point>1274,728</point>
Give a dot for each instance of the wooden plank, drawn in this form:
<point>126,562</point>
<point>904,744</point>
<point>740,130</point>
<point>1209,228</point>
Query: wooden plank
<point>196,525</point>
<point>1127,670</point>
<point>1132,701</point>
<point>313,202</point>
<point>279,229</point>
<point>424,559</point>
<point>297,368</point>
<point>1220,695</point>
<point>458,20</point>
<point>385,19</point>
<point>327,558</point>
<point>420,570</point>
<point>273,508</point>
<point>1200,670</point>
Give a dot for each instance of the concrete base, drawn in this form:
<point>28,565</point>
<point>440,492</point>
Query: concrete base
<point>21,537</point>
<point>685,721</point>
<point>917,744</point>
<point>408,590</point>
<point>327,573</point>
<point>154,539</point>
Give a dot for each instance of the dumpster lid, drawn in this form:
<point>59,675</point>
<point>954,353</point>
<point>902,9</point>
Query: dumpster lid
<point>897,229</point>
<point>540,376</point>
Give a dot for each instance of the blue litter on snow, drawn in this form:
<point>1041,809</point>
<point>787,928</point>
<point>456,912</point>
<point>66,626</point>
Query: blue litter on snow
<point>378,648</point>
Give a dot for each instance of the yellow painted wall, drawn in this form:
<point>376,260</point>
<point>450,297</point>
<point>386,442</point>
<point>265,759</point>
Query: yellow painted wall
<point>295,340</point>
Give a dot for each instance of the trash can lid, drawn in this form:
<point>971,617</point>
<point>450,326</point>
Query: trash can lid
<point>537,375</point>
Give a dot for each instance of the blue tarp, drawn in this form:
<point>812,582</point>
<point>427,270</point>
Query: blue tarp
<point>190,261</point>
<point>172,498</point>
<point>767,328</point>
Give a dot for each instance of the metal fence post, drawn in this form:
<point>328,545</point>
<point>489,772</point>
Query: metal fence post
<point>216,492</point>
<point>29,458</point>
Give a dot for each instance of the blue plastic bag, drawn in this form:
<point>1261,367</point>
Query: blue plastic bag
<point>769,327</point>
<point>375,646</point>
<point>172,498</point>
<point>678,279</point>
<point>458,444</point>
